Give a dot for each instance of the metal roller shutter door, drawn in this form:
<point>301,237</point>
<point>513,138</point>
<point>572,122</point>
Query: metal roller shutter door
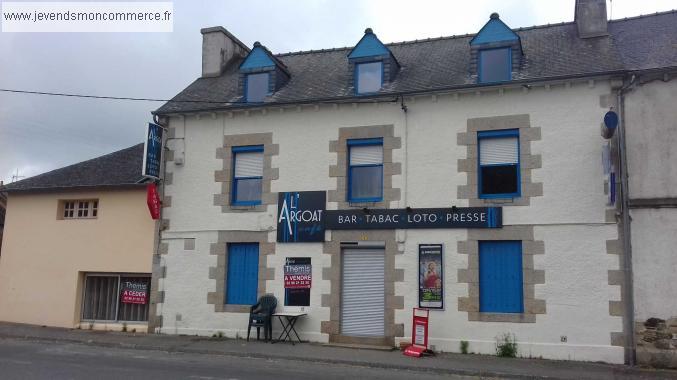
<point>363,292</point>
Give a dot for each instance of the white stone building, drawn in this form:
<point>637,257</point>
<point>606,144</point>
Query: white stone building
<point>504,119</point>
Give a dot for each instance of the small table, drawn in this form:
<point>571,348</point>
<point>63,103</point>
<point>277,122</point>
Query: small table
<point>288,326</point>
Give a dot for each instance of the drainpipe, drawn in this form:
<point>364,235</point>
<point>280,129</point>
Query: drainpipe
<point>405,169</point>
<point>629,320</point>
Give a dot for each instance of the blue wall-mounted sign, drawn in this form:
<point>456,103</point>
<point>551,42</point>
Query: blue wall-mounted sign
<point>611,119</point>
<point>384,219</point>
<point>610,124</point>
<point>300,216</point>
<point>152,151</point>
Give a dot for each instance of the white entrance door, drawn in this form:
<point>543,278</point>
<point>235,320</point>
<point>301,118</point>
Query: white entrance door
<point>363,292</point>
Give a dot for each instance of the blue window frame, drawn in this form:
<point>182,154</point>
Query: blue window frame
<point>242,278</point>
<point>368,77</point>
<point>494,65</point>
<point>365,170</point>
<point>499,164</point>
<point>501,280</point>
<point>247,175</point>
<point>256,87</point>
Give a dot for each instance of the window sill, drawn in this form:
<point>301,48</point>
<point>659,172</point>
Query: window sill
<point>500,196</point>
<point>229,308</point>
<point>502,317</point>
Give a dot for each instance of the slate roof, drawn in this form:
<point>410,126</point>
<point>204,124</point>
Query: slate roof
<point>550,52</point>
<point>117,169</point>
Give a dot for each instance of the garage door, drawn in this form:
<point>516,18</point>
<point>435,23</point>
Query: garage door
<point>363,292</point>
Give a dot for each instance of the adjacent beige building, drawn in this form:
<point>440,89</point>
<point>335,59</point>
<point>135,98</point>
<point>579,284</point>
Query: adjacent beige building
<point>78,246</point>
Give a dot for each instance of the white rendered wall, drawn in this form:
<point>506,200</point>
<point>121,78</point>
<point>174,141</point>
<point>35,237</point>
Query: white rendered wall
<point>651,125</point>
<point>569,217</point>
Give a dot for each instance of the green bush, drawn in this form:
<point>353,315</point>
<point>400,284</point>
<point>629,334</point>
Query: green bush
<point>506,346</point>
<point>464,347</point>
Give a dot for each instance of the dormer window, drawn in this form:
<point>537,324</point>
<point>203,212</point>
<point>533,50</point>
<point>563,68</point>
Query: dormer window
<point>495,65</point>
<point>495,52</point>
<point>261,74</point>
<point>368,77</point>
<point>256,87</point>
<point>372,65</point>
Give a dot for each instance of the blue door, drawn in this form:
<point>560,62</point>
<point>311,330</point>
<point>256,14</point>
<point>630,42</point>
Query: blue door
<point>501,277</point>
<point>242,279</point>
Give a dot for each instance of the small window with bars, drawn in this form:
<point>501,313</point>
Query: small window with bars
<point>80,209</point>
<point>499,164</point>
<point>116,298</point>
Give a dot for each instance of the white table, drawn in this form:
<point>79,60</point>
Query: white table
<point>288,320</point>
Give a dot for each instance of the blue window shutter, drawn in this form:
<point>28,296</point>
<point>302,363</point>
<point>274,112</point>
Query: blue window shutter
<point>243,274</point>
<point>501,284</point>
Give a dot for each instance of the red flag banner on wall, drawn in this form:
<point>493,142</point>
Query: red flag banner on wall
<point>153,200</point>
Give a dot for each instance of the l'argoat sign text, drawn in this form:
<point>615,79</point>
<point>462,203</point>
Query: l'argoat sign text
<point>302,217</point>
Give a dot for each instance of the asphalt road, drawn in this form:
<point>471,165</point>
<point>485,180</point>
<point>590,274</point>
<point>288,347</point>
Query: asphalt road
<point>21,359</point>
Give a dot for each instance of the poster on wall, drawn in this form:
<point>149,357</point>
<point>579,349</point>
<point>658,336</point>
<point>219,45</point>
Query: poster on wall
<point>134,292</point>
<point>430,279</point>
<point>298,278</point>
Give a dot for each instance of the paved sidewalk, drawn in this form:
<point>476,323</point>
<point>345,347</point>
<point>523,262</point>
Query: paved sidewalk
<point>475,365</point>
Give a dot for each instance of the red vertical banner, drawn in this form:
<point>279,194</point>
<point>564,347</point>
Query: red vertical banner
<point>153,201</point>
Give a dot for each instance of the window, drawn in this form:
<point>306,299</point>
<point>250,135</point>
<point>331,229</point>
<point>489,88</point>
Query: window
<point>495,65</point>
<point>499,166</point>
<point>115,298</point>
<point>247,175</point>
<point>501,277</point>
<point>242,278</point>
<point>80,209</point>
<point>368,77</point>
<point>256,87</point>
<point>365,171</point>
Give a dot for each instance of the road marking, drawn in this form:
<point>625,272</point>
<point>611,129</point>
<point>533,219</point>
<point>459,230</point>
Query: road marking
<point>14,361</point>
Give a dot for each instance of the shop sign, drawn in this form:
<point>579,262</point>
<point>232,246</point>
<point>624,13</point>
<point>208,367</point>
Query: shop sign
<point>152,151</point>
<point>153,201</point>
<point>300,216</point>
<point>134,292</point>
<point>381,219</point>
<point>431,276</point>
<point>298,278</point>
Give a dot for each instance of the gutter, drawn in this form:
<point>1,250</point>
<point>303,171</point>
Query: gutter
<point>72,188</point>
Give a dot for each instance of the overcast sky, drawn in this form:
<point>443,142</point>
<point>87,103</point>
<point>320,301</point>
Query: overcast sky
<point>41,133</point>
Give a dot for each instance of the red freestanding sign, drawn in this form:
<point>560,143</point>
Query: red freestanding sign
<point>419,333</point>
<point>153,200</point>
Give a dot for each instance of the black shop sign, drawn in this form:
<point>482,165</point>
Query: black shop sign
<point>302,217</point>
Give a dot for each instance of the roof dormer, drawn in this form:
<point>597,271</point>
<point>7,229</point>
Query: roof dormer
<point>372,65</point>
<point>261,74</point>
<point>495,52</point>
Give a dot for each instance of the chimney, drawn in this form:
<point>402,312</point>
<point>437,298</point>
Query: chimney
<point>590,18</point>
<point>219,48</point>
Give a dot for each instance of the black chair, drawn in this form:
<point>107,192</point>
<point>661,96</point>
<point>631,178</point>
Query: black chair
<point>261,315</point>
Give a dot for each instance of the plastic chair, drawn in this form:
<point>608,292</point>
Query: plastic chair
<point>261,315</point>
